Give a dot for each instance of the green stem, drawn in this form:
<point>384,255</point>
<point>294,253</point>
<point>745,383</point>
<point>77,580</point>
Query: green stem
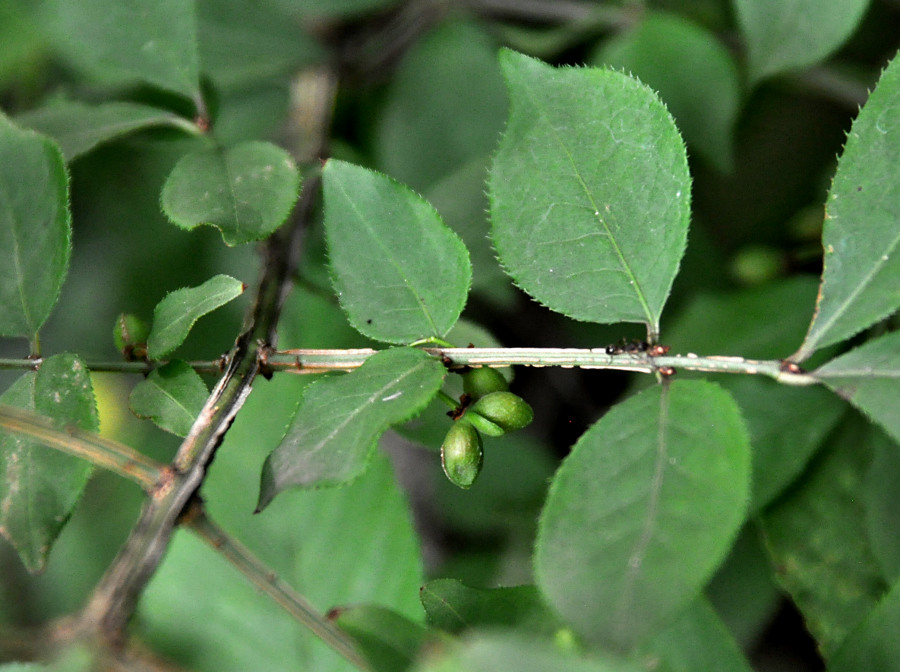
<point>321,361</point>
<point>28,364</point>
<point>263,578</point>
<point>112,455</point>
<point>447,399</point>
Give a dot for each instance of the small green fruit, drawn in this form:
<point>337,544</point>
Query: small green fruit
<point>130,336</point>
<point>462,454</point>
<point>497,413</point>
<point>482,381</point>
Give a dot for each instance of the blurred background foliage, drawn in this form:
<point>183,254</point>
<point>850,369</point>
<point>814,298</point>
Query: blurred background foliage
<point>423,100</point>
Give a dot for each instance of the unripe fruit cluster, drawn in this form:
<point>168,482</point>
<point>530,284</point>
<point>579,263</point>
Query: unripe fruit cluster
<point>494,411</point>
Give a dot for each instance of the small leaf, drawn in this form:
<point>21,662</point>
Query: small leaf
<point>861,279</point>
<point>388,641</point>
<point>35,229</point>
<point>869,378</point>
<point>40,486</point>
<point>79,128</point>
<point>817,537</point>
<point>643,510</point>
<point>784,35</point>
<point>590,192</point>
<point>246,191</point>
<point>339,420</point>
<point>455,607</point>
<point>123,41</point>
<point>874,645</point>
<point>399,272</point>
<point>172,397</point>
<point>175,315</point>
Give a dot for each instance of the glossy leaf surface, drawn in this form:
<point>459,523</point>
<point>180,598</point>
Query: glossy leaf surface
<point>246,191</point>
<point>41,486</point>
<point>174,316</point>
<point>869,378</point>
<point>861,280</point>
<point>590,192</point>
<point>35,229</point>
<point>399,272</point>
<point>123,41</point>
<point>643,510</point>
<point>78,127</point>
<point>172,396</point>
<point>784,35</point>
<point>332,434</point>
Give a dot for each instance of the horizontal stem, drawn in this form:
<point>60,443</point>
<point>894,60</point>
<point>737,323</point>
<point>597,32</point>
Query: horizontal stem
<point>114,366</point>
<point>323,361</point>
<point>263,578</point>
<point>112,455</point>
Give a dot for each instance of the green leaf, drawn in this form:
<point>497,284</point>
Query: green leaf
<point>79,128</point>
<point>434,101</point>
<point>869,378</point>
<point>590,192</point>
<point>817,538</point>
<point>332,434</point>
<point>861,279</point>
<point>35,229</point>
<point>123,41</point>
<point>881,498</point>
<point>172,396</point>
<point>697,640</point>
<point>399,273</point>
<point>693,73</point>
<point>246,191</point>
<point>784,35</point>
<point>494,651</point>
<point>455,607</point>
<point>175,315</point>
<point>874,645</point>
<point>240,48</point>
<point>388,641</point>
<point>643,510</point>
<point>40,486</point>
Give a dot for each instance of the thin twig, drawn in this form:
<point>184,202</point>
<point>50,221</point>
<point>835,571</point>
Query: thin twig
<point>262,577</point>
<point>112,366</point>
<point>112,455</point>
<point>321,361</point>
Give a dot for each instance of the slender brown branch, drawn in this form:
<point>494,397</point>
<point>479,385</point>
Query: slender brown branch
<point>115,597</point>
<point>262,577</point>
<point>112,366</point>
<point>112,455</point>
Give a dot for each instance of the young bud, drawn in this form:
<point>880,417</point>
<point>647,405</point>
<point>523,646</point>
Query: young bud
<point>482,381</point>
<point>462,455</point>
<point>499,412</point>
<point>130,336</point>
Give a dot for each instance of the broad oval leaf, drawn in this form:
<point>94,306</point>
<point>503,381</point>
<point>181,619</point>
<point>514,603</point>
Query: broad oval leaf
<point>78,127</point>
<point>174,316</point>
<point>122,41</point>
<point>643,510</point>
<point>785,35</point>
<point>172,396</point>
<point>40,486</point>
<point>873,645</point>
<point>590,192</point>
<point>387,640</point>
<point>869,378</point>
<point>35,229</point>
<point>332,434</point>
<point>861,279</point>
<point>399,272</point>
<point>246,191</point>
